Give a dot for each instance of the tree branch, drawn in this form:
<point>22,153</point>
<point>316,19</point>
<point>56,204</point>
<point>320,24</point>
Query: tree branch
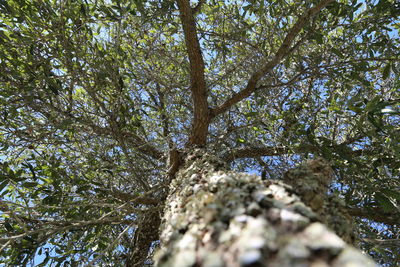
<point>201,118</point>
<point>254,152</point>
<point>145,234</point>
<point>141,145</point>
<point>137,200</point>
<point>375,215</point>
<point>284,50</point>
<point>384,242</point>
<point>197,8</point>
<point>60,226</point>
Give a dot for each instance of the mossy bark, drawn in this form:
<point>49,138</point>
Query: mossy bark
<point>216,217</point>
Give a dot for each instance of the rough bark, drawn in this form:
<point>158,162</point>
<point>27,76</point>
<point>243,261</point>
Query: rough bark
<point>145,234</point>
<point>216,217</point>
<point>201,112</point>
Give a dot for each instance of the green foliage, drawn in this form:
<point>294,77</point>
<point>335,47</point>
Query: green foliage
<point>93,95</point>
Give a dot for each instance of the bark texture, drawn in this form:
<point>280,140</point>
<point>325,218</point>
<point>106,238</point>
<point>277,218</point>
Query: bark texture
<point>201,113</point>
<point>145,234</point>
<point>215,217</point>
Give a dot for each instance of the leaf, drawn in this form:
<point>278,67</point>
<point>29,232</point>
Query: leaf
<point>4,147</point>
<point>377,122</point>
<point>32,169</point>
<point>318,37</point>
<point>384,202</point>
<point>356,75</point>
<point>66,123</point>
<point>372,104</point>
<point>391,193</point>
<point>83,188</point>
<point>5,192</point>
<point>251,114</point>
<point>337,52</point>
<point>386,71</point>
<point>3,184</point>
<point>51,200</point>
<point>83,10</point>
<point>30,184</point>
<point>287,62</point>
<point>354,108</point>
<point>8,226</point>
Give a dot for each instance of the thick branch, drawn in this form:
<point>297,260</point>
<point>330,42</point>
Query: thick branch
<point>384,242</point>
<point>201,118</point>
<point>375,215</point>
<point>254,152</point>
<point>283,51</point>
<point>145,234</point>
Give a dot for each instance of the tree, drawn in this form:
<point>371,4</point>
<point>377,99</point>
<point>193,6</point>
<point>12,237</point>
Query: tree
<point>105,104</point>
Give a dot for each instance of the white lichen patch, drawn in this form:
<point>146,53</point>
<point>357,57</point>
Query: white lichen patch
<point>219,178</point>
<point>296,250</point>
<point>288,215</point>
<point>187,242</point>
<point>351,257</point>
<point>318,237</point>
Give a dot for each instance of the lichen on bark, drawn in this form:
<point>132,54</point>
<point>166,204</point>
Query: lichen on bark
<point>311,181</point>
<point>216,217</point>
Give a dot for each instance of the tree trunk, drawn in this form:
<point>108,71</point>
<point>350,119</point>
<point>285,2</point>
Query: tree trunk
<point>145,234</point>
<point>215,217</point>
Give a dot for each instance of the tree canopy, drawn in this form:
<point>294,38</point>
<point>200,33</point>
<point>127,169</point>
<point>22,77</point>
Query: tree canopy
<point>97,96</point>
